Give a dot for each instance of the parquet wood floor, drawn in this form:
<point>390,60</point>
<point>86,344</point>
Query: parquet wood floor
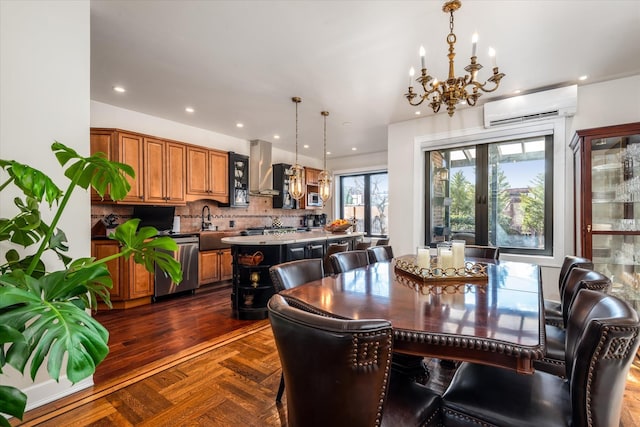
<point>223,378</point>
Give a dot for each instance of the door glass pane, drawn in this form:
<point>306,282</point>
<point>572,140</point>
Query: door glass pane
<point>353,200</point>
<point>516,199</point>
<point>379,197</point>
<point>453,194</point>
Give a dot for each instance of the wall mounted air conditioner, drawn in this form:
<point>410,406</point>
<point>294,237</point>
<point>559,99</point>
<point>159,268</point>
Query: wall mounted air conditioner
<point>534,106</point>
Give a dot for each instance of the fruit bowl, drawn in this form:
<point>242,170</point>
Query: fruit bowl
<point>338,228</point>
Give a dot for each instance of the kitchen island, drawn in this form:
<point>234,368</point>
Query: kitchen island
<point>253,255</point>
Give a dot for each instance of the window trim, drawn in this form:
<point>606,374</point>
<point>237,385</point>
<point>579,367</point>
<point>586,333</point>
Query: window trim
<point>563,230</point>
<point>367,202</point>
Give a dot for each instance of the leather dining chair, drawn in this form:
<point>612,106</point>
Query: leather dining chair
<point>332,249</point>
<point>602,340</point>
<point>577,279</point>
<point>361,246</point>
<point>382,242</point>
<point>486,252</point>
<point>380,253</point>
<point>338,372</point>
<point>346,261</point>
<point>553,309</point>
<point>289,275</point>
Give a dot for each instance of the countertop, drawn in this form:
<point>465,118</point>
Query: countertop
<point>288,238</point>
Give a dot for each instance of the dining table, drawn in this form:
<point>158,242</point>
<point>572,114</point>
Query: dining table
<point>496,319</point>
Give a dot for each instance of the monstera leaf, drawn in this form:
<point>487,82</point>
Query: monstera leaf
<point>44,314</point>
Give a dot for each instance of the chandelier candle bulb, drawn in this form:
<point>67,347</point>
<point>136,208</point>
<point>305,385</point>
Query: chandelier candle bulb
<point>422,55</point>
<point>492,55</point>
<point>474,44</point>
<point>412,72</point>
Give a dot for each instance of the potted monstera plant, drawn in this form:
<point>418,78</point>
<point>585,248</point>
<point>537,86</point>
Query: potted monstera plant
<point>47,314</point>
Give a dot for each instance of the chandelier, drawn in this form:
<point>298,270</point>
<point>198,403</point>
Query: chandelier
<point>297,184</point>
<point>324,177</point>
<point>454,89</point>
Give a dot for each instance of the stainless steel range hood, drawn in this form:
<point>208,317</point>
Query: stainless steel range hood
<point>260,170</point>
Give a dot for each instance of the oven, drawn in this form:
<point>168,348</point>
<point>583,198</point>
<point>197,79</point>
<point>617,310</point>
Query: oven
<point>187,255</point>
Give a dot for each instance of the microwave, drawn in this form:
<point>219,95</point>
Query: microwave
<point>313,199</point>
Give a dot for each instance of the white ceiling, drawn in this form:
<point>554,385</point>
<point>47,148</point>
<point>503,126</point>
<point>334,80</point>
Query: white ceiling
<point>242,61</point>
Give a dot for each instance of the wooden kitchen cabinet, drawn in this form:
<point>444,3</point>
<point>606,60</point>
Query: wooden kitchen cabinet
<point>311,175</point>
<point>164,171</point>
<point>207,174</point>
<point>122,147</point>
<point>132,283</point>
<point>215,266</point>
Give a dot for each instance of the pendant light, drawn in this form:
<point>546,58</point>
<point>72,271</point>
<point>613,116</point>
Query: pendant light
<point>297,184</point>
<point>324,177</point>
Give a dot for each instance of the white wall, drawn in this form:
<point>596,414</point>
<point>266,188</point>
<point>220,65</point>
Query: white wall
<point>109,116</point>
<point>44,87</point>
<point>598,105</point>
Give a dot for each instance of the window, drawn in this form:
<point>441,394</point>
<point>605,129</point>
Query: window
<point>365,199</point>
<point>498,194</point>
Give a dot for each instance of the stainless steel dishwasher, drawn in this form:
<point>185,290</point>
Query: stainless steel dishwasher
<point>187,254</point>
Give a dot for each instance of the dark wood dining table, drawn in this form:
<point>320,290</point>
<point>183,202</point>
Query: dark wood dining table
<point>497,321</point>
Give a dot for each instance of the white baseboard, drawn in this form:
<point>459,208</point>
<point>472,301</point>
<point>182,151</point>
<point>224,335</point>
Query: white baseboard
<point>48,391</point>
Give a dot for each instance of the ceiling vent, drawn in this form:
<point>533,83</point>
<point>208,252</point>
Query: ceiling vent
<point>534,106</point>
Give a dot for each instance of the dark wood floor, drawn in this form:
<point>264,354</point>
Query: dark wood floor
<point>191,346</point>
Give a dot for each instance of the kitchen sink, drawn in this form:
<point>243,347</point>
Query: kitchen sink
<point>211,240</point>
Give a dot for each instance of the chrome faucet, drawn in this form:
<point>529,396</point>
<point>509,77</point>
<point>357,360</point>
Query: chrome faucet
<point>205,224</point>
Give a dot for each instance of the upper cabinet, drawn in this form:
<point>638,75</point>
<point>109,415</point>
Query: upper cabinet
<point>207,174</point>
<point>281,174</point>
<point>125,148</point>
<point>607,165</point>
<point>164,171</point>
<point>238,180</point>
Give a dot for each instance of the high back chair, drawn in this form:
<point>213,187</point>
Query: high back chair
<point>289,275</point>
<point>360,246</point>
<point>346,261</point>
<point>553,309</point>
<point>602,340</point>
<point>577,279</point>
<point>294,273</point>
<point>485,252</point>
<point>332,249</point>
<point>338,372</point>
<point>380,253</point>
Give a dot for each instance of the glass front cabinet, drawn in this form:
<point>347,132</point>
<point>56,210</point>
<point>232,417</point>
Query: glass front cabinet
<point>607,183</point>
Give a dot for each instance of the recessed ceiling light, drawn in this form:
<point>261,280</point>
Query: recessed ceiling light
<point>417,113</point>
<point>305,146</point>
<point>119,89</point>
<point>582,78</point>
<point>346,123</point>
<point>328,153</point>
<point>189,110</point>
<point>239,125</point>
<point>276,136</point>
<point>353,148</point>
<point>517,91</point>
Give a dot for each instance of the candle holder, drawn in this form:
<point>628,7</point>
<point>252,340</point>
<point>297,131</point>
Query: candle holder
<point>471,272</point>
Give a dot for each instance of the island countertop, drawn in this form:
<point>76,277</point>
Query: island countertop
<point>287,238</point>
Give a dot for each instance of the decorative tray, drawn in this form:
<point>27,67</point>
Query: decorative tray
<point>472,272</point>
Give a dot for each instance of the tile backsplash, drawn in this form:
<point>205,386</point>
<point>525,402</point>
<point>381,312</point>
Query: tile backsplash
<point>260,213</point>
